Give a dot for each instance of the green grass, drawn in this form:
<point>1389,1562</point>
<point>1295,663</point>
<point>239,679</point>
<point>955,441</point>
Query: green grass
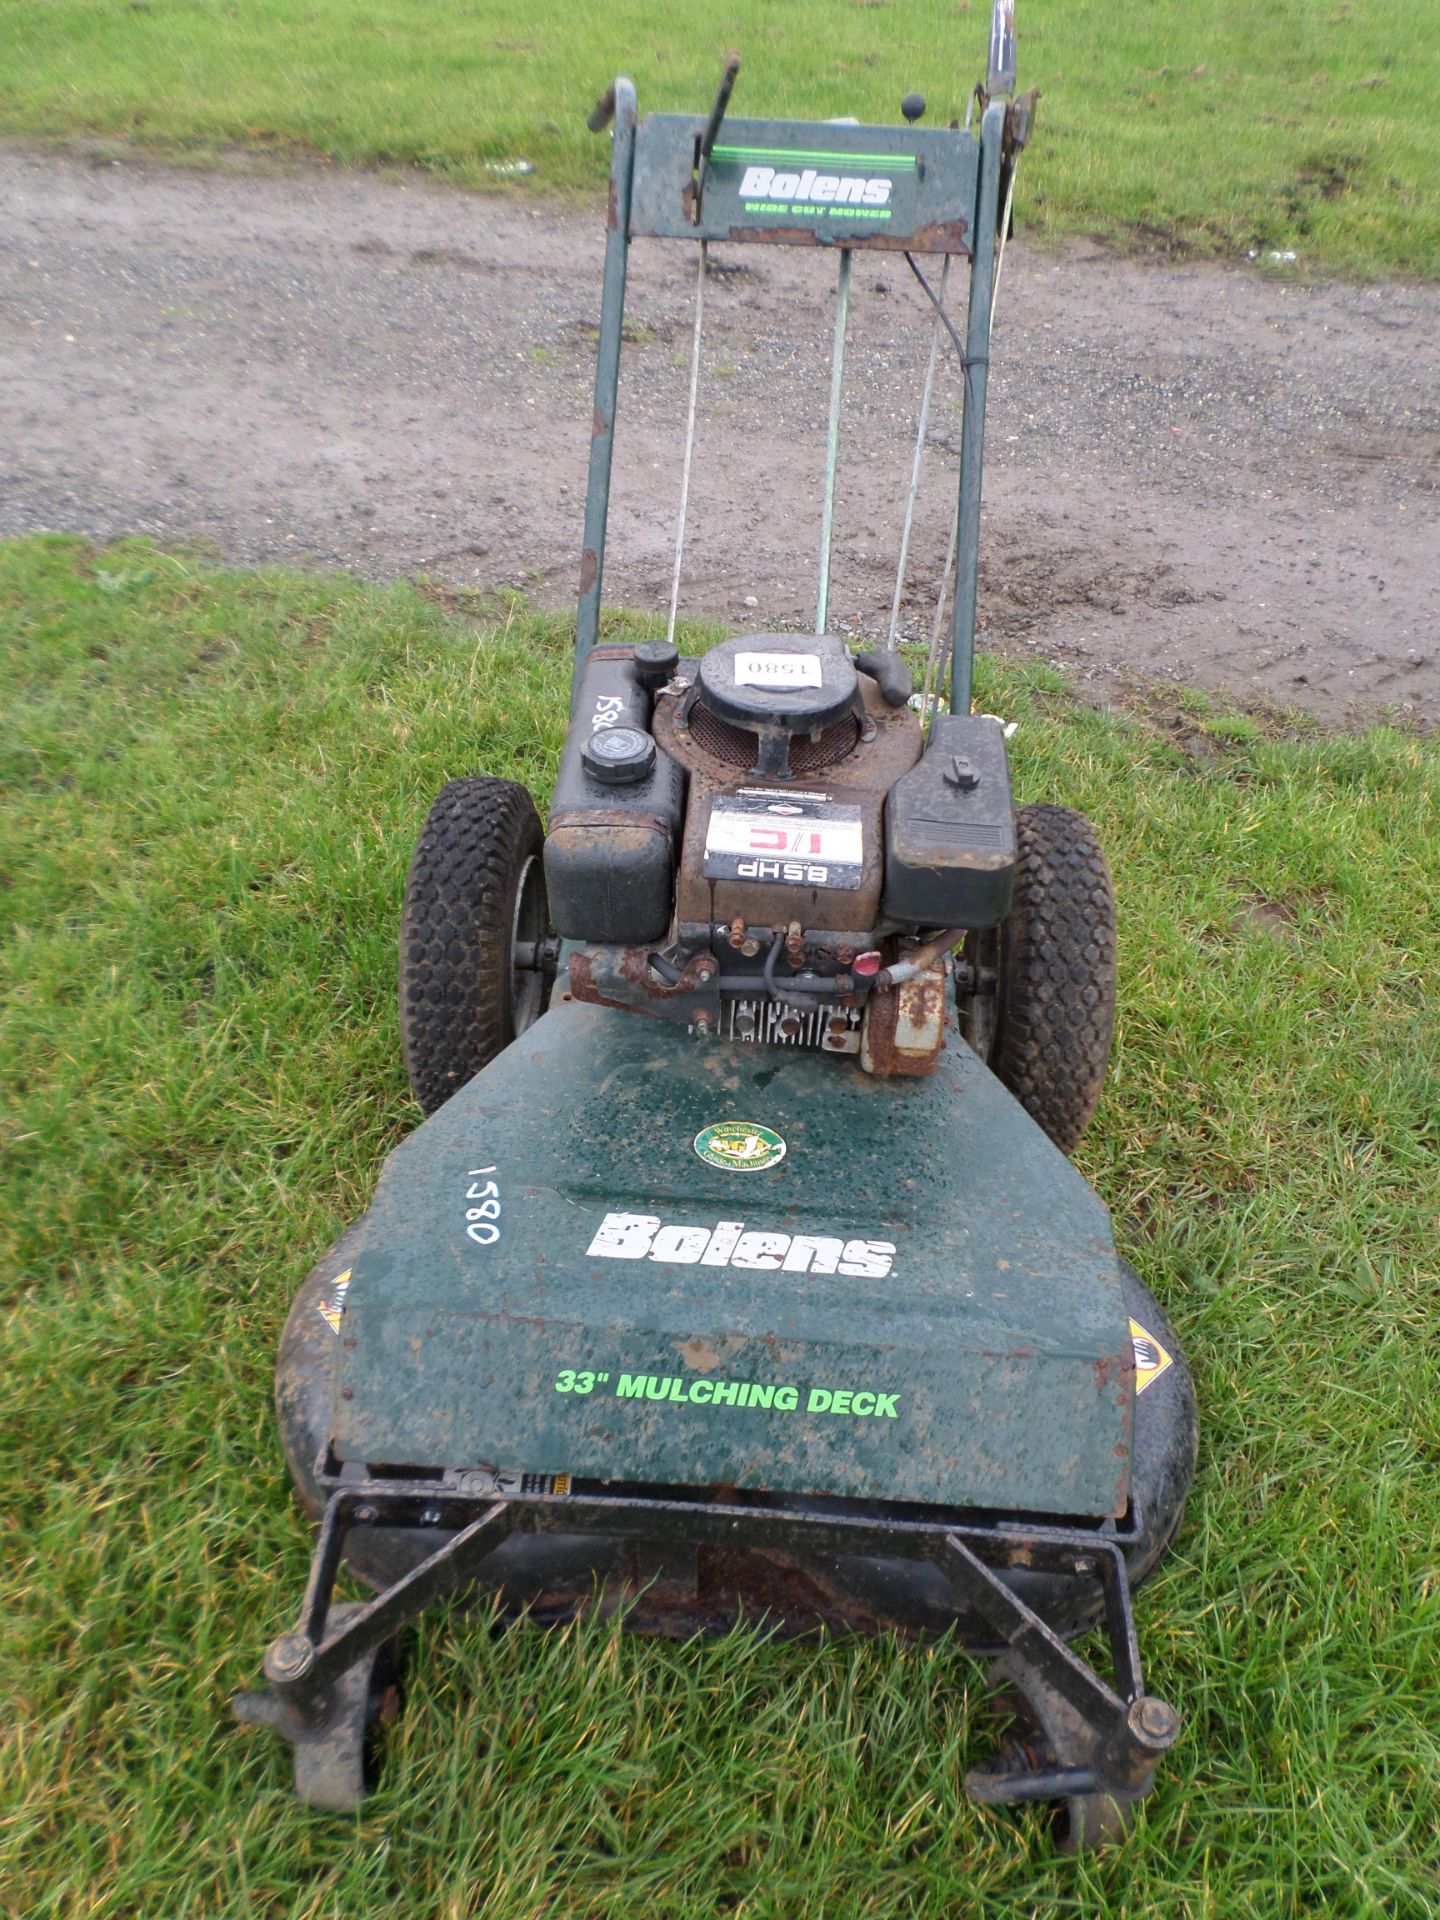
<point>1213,125</point>
<point>210,784</point>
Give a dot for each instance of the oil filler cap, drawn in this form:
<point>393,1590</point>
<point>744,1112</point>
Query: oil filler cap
<point>655,661</point>
<point>619,756</point>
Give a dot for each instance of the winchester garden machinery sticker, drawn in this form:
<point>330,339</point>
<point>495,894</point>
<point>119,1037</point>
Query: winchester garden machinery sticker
<point>742,1146</point>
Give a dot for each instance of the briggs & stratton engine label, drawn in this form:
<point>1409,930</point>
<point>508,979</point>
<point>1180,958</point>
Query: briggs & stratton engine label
<point>790,839</point>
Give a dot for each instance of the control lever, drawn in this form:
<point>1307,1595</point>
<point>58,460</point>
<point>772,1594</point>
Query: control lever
<point>712,128</point>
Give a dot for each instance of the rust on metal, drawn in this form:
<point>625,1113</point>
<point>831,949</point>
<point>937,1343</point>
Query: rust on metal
<point>575,820</point>
<point>672,1595</point>
<point>589,569</point>
<point>1019,118</point>
<point>1112,1366</point>
<point>904,1028</point>
<point>941,236</point>
<point>705,1354</point>
<point>626,978</point>
<point>582,978</point>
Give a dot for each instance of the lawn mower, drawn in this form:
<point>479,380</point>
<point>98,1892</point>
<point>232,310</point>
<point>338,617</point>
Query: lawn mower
<point>739,1270</point>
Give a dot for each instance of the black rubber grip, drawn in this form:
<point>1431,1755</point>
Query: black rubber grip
<point>602,113</point>
<point>890,674</point>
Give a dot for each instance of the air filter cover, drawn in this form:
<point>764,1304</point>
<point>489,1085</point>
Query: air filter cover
<point>797,682</point>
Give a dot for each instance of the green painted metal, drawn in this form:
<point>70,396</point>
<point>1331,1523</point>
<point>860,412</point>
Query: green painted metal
<point>980,1325</point>
<point>925,198</point>
<point>972,429</point>
<point>934,190</point>
<point>832,440</point>
<point>607,377</point>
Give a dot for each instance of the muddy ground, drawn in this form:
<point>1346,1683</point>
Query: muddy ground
<point>1196,474</point>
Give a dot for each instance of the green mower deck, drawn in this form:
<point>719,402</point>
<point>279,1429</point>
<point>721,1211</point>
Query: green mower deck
<point>919,1301</point>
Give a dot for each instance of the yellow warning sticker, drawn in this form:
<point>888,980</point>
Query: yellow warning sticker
<point>331,1309</point>
<point>1151,1359</point>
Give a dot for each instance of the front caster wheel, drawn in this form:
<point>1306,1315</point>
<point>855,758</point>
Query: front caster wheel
<point>340,1765</point>
<point>1086,1822</point>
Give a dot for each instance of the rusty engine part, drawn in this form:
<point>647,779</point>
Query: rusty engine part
<point>861,756</point>
<point>904,1026</point>
<point>775,761</point>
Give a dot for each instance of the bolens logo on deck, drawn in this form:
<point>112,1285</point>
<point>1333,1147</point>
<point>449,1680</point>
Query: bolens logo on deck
<point>644,1236</point>
<point>743,1146</point>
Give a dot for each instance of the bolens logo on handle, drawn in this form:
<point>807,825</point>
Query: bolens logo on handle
<point>826,189</point>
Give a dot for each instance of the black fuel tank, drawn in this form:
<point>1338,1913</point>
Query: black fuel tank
<point>950,829</point>
<point>615,815</point>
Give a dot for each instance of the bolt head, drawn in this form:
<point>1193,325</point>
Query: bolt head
<point>1154,1720</point>
<point>289,1656</point>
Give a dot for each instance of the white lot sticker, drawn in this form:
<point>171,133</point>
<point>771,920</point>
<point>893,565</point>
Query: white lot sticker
<point>334,1307</point>
<point>482,1220</point>
<point>777,670</point>
<point>812,843</point>
<point>1151,1359</point>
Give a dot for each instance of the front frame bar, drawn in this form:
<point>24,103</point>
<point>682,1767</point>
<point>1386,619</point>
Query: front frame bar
<point>1111,1739</point>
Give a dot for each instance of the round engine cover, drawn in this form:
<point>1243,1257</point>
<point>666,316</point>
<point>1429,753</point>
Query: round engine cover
<point>793,681</point>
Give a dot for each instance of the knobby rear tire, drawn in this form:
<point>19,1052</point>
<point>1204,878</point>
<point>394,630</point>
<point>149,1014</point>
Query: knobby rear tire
<point>475,890</point>
<point>1046,1028</point>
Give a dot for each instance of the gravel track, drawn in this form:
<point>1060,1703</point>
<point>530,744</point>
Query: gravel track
<point>1195,474</point>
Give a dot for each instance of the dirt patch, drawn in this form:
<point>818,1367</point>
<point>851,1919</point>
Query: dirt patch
<point>1195,475</point>
<point>1270,917</point>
